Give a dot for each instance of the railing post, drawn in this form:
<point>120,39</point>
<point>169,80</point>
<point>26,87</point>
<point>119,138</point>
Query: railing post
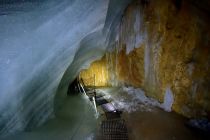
<point>94,102</point>
<point>83,89</point>
<point>94,86</point>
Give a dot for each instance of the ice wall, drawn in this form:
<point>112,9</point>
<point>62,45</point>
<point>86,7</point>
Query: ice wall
<point>38,42</point>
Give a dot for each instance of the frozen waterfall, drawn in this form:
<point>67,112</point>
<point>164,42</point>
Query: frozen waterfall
<point>40,41</point>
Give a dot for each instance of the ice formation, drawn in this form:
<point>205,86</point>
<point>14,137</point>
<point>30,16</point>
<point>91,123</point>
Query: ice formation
<point>168,100</point>
<point>130,99</point>
<point>41,42</point>
<point>134,40</point>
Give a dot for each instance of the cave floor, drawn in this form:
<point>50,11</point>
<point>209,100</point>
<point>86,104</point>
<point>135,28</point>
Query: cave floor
<point>76,121</point>
<point>152,123</point>
<point>158,125</point>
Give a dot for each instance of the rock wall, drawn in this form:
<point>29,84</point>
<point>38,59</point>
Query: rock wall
<point>165,44</point>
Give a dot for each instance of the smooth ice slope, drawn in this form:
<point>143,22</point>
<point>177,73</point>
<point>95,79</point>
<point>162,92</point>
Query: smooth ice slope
<point>71,123</point>
<point>38,42</point>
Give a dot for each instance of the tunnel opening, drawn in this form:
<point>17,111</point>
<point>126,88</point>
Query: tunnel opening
<point>73,87</point>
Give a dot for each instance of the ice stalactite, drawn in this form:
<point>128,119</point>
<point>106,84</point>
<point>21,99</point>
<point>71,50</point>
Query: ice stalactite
<point>147,59</point>
<point>135,34</point>
<point>135,38</point>
<point>111,68</point>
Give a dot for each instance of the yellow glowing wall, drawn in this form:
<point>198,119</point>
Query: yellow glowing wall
<point>99,69</point>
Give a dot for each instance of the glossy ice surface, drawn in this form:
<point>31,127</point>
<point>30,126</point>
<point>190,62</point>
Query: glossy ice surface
<point>75,120</point>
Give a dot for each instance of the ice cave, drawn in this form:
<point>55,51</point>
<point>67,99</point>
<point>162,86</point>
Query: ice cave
<point>104,69</point>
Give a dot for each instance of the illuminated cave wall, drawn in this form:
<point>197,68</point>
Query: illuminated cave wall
<point>96,75</point>
<point>165,44</point>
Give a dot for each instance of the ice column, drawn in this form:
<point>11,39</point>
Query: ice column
<point>168,100</point>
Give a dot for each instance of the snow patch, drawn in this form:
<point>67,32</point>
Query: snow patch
<point>130,99</point>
